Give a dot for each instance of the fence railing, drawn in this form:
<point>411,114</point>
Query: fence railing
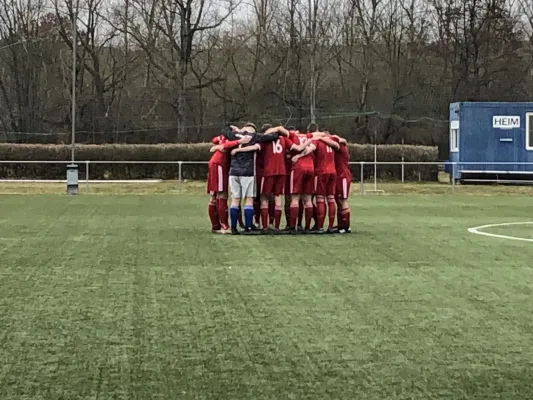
<point>452,168</point>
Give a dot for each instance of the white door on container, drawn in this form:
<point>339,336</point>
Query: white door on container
<point>454,136</point>
<point>529,131</point>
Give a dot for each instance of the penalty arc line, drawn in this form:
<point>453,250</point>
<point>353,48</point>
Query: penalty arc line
<point>478,230</point>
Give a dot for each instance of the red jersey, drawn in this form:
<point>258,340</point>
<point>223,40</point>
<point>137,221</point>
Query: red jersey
<point>273,154</point>
<point>342,157</point>
<point>306,162</point>
<point>220,157</point>
<point>293,137</point>
<point>325,158</point>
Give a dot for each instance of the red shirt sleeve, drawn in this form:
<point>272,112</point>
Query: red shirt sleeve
<point>335,138</point>
<point>216,139</point>
<point>309,136</point>
<point>230,144</point>
<point>288,143</point>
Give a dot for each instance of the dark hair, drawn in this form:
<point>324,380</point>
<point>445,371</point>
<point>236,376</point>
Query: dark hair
<point>290,128</point>
<point>265,127</point>
<point>312,127</point>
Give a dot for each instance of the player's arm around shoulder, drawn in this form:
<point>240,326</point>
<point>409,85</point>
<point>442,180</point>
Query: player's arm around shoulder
<point>340,140</point>
<point>309,148</point>
<point>289,144</point>
<point>279,129</point>
<point>330,142</point>
<point>253,147</point>
<point>265,137</point>
<point>240,140</point>
<point>218,142</point>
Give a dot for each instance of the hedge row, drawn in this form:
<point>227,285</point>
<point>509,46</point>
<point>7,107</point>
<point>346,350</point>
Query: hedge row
<point>185,152</point>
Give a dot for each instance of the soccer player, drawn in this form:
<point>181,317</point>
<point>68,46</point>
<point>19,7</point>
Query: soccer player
<point>301,183</point>
<point>326,179</point>
<point>259,173</point>
<point>217,183</point>
<point>242,173</point>
<point>259,169</point>
<point>313,132</point>
<point>293,135</point>
<point>273,180</point>
<point>344,178</point>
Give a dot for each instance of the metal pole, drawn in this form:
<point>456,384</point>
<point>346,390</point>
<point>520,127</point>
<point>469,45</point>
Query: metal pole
<point>362,179</point>
<point>375,167</point>
<point>453,178</point>
<point>179,176</point>
<point>403,165</point>
<point>86,176</point>
<point>74,45</point>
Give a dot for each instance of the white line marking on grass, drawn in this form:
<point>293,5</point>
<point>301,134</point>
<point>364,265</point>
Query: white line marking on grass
<point>478,230</point>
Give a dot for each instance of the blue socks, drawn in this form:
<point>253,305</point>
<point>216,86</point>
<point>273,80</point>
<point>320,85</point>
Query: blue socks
<point>248,216</point>
<point>234,215</point>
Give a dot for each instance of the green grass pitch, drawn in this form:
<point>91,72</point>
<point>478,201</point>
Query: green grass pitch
<point>131,297</point>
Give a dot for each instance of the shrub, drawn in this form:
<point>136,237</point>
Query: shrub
<point>186,152</point>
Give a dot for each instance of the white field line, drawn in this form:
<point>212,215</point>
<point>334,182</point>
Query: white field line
<point>478,230</point>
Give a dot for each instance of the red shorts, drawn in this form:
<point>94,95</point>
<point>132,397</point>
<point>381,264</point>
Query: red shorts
<point>343,187</point>
<point>325,185</point>
<point>217,179</point>
<point>301,182</point>
<point>273,185</point>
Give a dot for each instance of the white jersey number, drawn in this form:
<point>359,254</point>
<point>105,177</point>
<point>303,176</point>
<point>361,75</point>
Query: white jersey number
<point>329,149</point>
<point>277,148</point>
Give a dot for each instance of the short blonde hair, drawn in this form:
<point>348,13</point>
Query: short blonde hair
<point>250,125</point>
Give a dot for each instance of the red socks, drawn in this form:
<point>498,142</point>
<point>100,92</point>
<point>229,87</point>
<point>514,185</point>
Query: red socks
<point>271,211</point>
<point>264,217</point>
<point>332,211</point>
<point>222,210</point>
<point>320,214</point>
<point>344,218</point>
<point>257,211</point>
<point>213,215</point>
<point>293,216</point>
<point>308,217</point>
<point>277,217</point>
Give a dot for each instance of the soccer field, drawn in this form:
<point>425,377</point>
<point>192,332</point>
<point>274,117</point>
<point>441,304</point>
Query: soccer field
<point>131,297</point>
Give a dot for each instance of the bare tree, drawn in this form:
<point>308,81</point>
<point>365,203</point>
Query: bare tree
<point>169,32</point>
<point>174,70</point>
<point>355,54</point>
<point>96,59</point>
<point>22,65</point>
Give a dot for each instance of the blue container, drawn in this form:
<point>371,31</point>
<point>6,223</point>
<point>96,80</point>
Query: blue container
<point>493,135</point>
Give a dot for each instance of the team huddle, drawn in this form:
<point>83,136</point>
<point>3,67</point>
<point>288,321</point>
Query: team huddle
<point>309,170</point>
